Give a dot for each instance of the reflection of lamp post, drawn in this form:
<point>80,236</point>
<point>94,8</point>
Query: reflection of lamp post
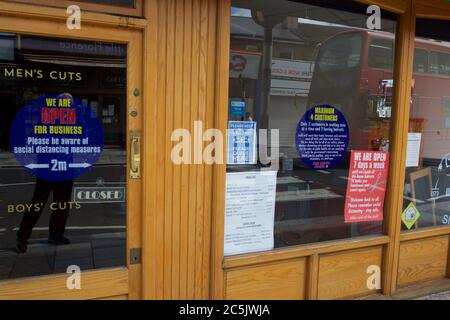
<point>268,21</point>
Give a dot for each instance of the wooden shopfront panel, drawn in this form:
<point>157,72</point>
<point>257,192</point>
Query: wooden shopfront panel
<point>184,81</point>
<point>422,260</point>
<point>191,263</point>
<point>279,280</point>
<point>345,275</point>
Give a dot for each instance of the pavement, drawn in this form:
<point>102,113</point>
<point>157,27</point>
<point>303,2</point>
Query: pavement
<point>97,229</point>
<point>436,296</point>
<point>86,252</point>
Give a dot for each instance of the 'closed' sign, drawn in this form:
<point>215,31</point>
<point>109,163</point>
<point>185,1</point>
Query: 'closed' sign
<point>99,194</point>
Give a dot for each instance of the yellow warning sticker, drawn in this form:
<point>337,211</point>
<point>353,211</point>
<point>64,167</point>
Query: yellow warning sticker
<point>410,215</point>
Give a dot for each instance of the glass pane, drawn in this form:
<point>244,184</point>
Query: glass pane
<point>427,186</point>
<point>420,60</point>
<point>440,63</point>
<point>62,155</point>
<point>336,70</point>
<point>381,54</point>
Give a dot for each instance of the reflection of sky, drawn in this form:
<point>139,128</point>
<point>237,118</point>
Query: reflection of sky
<point>239,12</point>
<point>320,23</point>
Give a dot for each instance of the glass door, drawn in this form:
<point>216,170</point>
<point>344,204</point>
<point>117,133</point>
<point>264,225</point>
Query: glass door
<point>69,157</point>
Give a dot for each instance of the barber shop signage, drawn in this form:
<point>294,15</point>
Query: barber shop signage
<point>56,138</point>
<point>322,137</point>
<point>366,186</point>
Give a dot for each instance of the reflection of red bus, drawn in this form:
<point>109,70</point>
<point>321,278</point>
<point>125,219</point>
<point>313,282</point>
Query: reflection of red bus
<point>354,71</point>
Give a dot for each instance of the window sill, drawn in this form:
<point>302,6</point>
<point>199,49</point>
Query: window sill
<point>303,251</point>
<point>424,233</point>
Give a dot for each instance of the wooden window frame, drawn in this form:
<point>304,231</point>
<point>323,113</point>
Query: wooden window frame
<point>137,11</point>
<point>439,10</point>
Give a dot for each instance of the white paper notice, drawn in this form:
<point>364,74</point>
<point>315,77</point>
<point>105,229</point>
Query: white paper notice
<point>249,212</point>
<point>413,149</point>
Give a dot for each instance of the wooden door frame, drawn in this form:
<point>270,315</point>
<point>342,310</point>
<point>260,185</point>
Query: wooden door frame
<point>404,55</point>
<point>136,10</point>
<point>42,21</point>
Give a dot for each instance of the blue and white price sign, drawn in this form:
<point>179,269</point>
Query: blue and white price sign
<point>56,138</point>
<point>241,142</point>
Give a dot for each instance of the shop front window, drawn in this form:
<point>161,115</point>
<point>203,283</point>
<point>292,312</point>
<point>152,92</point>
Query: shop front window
<point>62,155</point>
<point>427,186</point>
<point>321,115</point>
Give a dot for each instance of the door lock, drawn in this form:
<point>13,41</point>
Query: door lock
<point>135,256</point>
<point>135,155</point>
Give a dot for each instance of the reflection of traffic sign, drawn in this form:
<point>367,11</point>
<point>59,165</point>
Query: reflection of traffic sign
<point>237,108</point>
<point>410,215</point>
<point>99,194</point>
<point>244,64</point>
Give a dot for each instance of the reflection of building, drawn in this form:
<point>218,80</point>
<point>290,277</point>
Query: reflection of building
<point>295,45</point>
<point>94,73</point>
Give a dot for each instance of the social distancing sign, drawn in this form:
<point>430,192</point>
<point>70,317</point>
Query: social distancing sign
<point>56,138</point>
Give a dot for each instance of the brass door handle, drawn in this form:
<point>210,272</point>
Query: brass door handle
<point>135,155</point>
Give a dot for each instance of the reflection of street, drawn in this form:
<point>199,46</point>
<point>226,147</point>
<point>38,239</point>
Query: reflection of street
<point>433,210</point>
<point>96,230</point>
<point>309,208</point>
<point>96,214</point>
<point>99,250</point>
